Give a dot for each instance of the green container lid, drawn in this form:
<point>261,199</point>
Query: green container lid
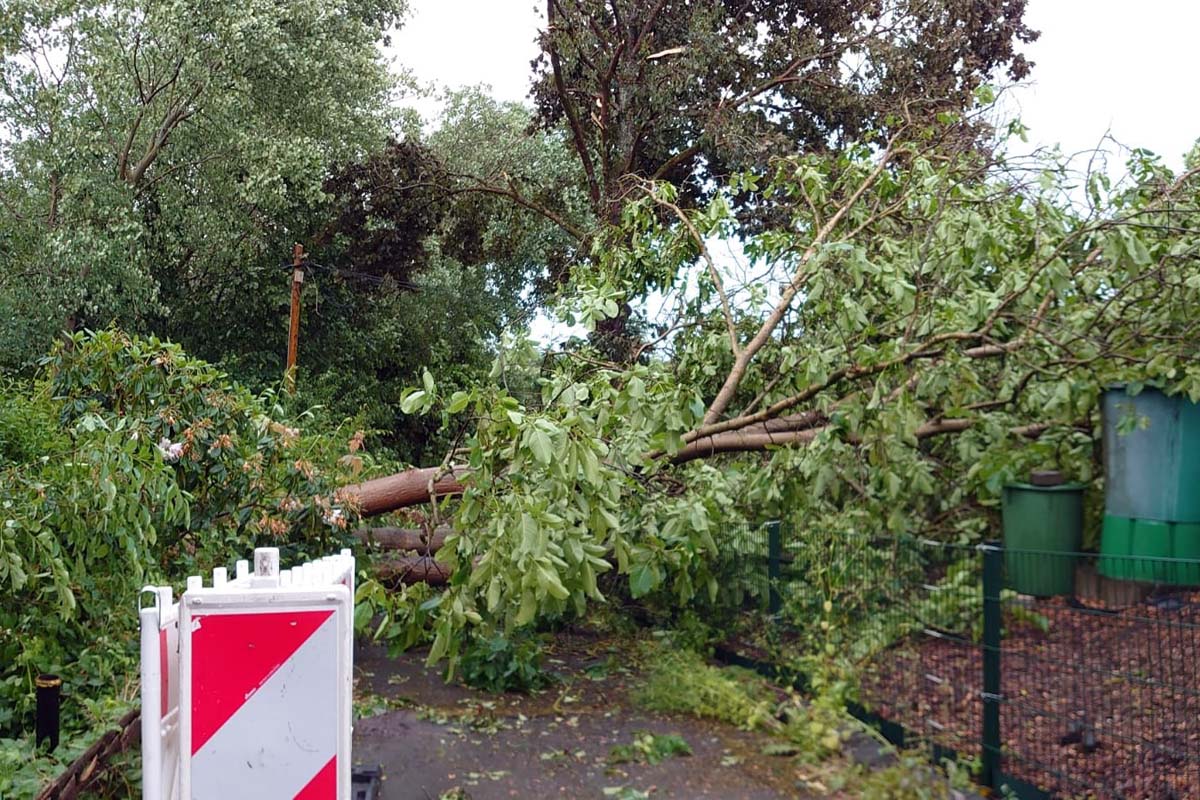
<point>1041,522</point>
<point>1151,456</point>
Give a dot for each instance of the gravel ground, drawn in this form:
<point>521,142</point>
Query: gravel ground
<point>1099,704</point>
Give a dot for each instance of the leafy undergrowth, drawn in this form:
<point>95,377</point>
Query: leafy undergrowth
<point>26,769</point>
<point>681,681</point>
<point>650,748</point>
<point>504,664</point>
<point>908,776</point>
<point>813,731</point>
<point>126,463</point>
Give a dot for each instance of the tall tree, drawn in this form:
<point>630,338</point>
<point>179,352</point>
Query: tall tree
<point>168,137</point>
<point>691,91</point>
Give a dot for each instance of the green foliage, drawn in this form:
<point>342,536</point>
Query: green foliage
<point>722,88</point>
<point>693,632</point>
<point>501,664</point>
<point>129,463</point>
<point>25,770</point>
<point>399,616</point>
<point>161,177</point>
<point>955,603</point>
<point>650,748</point>
<point>248,474</point>
<point>159,155</point>
<point>910,778</point>
<point>28,425</point>
<point>679,681</point>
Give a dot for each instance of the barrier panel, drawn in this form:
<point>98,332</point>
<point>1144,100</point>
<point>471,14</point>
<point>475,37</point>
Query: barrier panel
<point>160,695</point>
<point>255,699</point>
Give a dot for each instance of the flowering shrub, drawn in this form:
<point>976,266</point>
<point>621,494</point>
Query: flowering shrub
<point>129,463</point>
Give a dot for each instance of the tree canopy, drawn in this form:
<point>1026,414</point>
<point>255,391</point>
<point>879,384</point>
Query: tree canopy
<point>153,138</point>
<point>693,92</point>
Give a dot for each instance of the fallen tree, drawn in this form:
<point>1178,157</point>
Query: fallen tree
<point>923,327</point>
<point>423,542</point>
<point>402,490</point>
<point>408,570</point>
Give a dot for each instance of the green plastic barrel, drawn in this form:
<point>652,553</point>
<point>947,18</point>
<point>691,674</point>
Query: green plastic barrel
<point>1043,531</point>
<point>1151,456</point>
<point>1186,546</point>
<point>1150,550</point>
<point>1116,542</point>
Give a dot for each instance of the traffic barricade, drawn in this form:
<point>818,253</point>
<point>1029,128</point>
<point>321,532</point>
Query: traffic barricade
<point>259,687</point>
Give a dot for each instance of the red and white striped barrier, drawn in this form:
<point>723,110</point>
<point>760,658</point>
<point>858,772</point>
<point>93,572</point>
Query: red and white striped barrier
<point>265,673</point>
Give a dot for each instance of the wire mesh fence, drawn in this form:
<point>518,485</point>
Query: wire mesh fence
<point>1058,674</point>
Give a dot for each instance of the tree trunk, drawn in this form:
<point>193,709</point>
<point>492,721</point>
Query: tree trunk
<point>412,569</point>
<point>404,539</point>
<point>404,489</point>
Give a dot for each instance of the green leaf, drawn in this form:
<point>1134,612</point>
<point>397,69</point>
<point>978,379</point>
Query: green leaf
<point>528,609</point>
<point>412,402</point>
<point>458,401</point>
<point>643,579</point>
<point>541,446</point>
<point>550,583</point>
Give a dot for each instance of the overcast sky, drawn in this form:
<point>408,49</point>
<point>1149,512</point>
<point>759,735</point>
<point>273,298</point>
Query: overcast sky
<point>1100,65</point>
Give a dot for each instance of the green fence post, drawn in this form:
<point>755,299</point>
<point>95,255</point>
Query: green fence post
<point>774,557</point>
<point>993,583</point>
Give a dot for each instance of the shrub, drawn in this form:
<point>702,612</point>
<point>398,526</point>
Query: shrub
<point>504,664</point>
<point>129,463</point>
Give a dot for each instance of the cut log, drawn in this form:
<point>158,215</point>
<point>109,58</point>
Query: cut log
<point>412,569</point>
<point>404,489</point>
<point>404,539</point>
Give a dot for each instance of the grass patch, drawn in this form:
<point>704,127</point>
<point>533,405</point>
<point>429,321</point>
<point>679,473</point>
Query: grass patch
<point>911,777</point>
<point>680,682</point>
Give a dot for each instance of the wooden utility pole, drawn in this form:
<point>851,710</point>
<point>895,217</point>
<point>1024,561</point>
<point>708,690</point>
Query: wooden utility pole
<point>289,375</point>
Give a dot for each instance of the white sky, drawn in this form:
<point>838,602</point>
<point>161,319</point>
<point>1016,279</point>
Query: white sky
<point>466,42</point>
<point>1100,65</point>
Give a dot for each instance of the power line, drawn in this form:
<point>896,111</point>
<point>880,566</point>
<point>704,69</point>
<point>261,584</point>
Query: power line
<point>363,277</point>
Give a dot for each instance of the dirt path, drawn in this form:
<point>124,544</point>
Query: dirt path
<point>432,738</point>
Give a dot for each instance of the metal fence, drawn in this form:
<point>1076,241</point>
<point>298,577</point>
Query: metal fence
<point>1058,674</point>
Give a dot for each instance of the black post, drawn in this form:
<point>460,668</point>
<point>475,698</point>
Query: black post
<point>993,580</point>
<point>774,556</point>
<point>49,694</point>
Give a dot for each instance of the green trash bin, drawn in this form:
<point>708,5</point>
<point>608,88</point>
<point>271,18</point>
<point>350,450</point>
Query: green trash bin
<point>1043,531</point>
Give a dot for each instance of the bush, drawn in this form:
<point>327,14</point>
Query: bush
<point>504,664</point>
<point>129,463</point>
